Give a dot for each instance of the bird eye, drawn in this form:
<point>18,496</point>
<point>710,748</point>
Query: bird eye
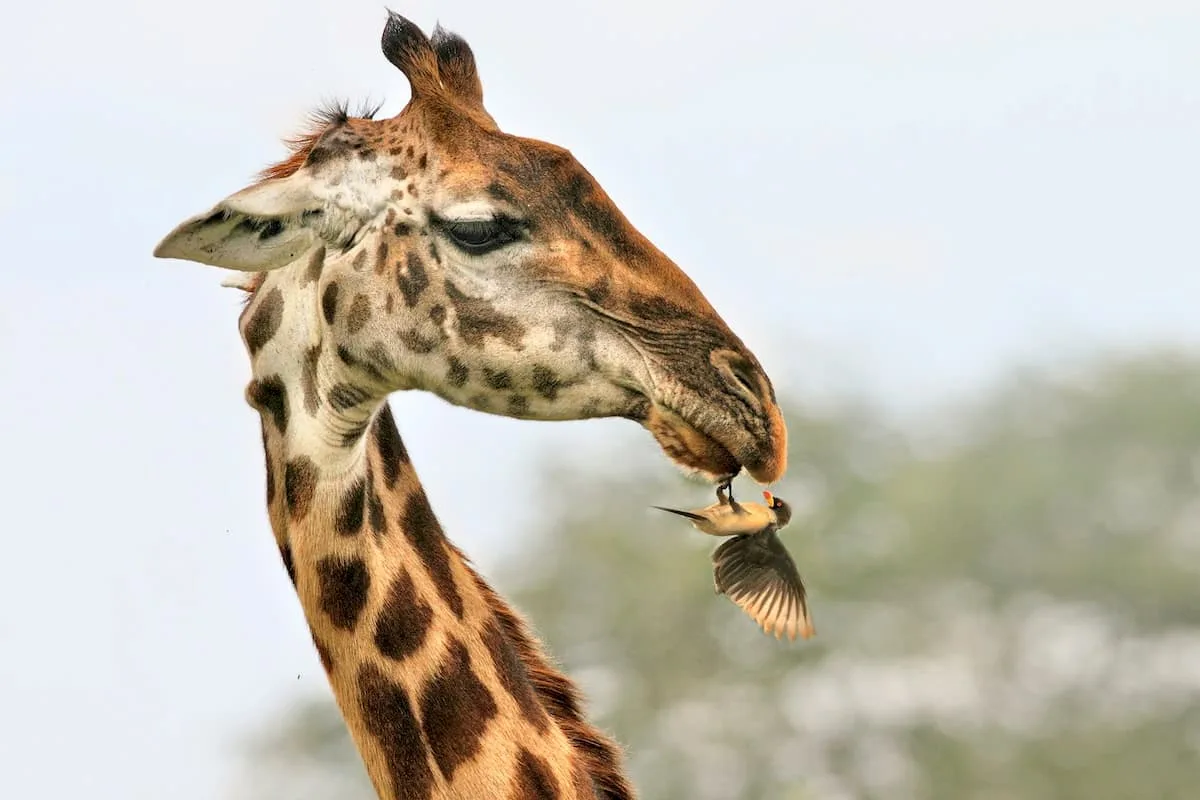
<point>479,236</point>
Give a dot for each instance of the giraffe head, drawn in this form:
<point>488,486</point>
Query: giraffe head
<point>434,251</point>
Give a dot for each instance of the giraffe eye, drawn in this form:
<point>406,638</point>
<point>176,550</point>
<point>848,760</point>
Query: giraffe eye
<point>479,236</point>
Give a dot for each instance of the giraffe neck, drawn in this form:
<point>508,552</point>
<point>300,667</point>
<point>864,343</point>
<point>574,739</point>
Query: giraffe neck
<point>443,689</point>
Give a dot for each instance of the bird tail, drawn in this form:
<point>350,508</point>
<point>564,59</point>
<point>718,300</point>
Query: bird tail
<point>687,514</point>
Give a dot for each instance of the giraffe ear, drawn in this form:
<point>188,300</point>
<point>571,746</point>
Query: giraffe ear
<point>263,227</point>
<point>409,50</point>
<point>456,66</point>
<point>459,76</point>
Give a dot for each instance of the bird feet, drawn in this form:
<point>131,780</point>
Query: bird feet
<point>725,492</point>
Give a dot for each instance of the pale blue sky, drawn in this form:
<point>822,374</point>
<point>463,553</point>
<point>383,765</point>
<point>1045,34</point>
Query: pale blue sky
<point>904,196</point>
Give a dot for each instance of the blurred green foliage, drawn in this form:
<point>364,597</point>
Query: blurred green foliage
<point>1005,594</point>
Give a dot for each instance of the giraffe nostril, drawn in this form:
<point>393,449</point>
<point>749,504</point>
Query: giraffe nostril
<point>740,374</point>
<point>737,370</point>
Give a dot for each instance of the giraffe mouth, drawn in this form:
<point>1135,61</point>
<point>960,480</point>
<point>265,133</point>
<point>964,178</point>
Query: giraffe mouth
<point>691,449</point>
<point>720,449</point>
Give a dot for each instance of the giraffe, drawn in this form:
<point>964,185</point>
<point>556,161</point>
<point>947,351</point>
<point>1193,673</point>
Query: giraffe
<point>431,251</point>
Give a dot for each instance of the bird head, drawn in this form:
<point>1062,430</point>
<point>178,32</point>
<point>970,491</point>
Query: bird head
<point>783,512</point>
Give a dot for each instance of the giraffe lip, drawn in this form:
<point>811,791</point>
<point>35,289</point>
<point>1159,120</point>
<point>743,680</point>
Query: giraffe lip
<point>714,451</point>
<point>719,451</point>
<point>688,446</point>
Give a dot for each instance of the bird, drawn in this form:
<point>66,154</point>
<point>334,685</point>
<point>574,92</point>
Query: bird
<point>753,568</point>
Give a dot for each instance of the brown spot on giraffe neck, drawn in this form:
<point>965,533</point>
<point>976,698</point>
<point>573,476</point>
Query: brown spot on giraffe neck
<point>388,716</point>
<point>533,779</point>
<point>343,589</point>
<point>375,512</point>
<point>422,529</point>
<point>329,300</point>
<point>269,396</point>
<point>350,510</point>
<point>455,710</point>
<point>299,485</point>
<point>265,321</point>
<point>511,673</point>
<point>392,453</point>
<point>404,621</point>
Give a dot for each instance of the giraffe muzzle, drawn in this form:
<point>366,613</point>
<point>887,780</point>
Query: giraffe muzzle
<point>716,445</point>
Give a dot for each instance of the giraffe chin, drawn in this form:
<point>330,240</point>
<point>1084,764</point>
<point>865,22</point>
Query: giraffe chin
<point>691,449</point>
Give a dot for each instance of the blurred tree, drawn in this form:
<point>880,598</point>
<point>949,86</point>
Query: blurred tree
<point>1005,598</point>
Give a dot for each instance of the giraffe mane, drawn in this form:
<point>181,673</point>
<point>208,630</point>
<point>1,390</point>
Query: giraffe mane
<point>320,120</point>
<point>558,695</point>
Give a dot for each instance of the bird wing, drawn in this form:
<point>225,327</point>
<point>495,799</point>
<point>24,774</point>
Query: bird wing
<point>757,573</point>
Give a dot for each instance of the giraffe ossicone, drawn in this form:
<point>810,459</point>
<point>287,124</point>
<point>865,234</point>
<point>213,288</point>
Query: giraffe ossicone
<point>432,251</point>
